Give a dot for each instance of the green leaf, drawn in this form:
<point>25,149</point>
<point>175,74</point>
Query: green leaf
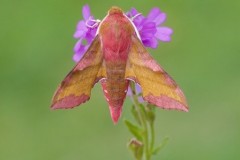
<point>161,146</point>
<point>135,130</point>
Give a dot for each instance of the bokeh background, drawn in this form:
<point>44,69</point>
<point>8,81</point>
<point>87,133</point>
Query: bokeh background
<point>36,53</point>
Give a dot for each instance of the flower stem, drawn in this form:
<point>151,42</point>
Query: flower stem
<point>143,144</point>
<point>152,137</point>
<point>143,119</point>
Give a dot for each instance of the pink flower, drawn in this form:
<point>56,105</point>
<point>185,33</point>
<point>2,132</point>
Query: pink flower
<point>149,28</point>
<point>84,33</point>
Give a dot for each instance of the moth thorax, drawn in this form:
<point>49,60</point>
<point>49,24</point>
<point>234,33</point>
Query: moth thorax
<point>115,10</point>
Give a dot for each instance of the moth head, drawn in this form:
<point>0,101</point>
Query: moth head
<point>115,10</point>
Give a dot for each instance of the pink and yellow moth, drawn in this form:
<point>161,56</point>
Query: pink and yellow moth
<point>115,57</point>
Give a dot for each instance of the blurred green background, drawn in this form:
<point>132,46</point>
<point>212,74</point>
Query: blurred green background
<point>36,53</point>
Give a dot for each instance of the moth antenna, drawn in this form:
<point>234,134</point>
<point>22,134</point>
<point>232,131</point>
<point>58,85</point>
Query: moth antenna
<point>132,18</point>
<point>97,21</point>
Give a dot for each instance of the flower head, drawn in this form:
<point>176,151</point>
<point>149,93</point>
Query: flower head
<point>149,28</point>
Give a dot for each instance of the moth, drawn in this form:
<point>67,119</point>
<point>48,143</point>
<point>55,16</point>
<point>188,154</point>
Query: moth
<point>116,57</point>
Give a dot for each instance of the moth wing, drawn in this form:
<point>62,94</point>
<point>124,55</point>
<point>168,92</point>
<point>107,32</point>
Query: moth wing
<point>158,87</point>
<point>75,89</point>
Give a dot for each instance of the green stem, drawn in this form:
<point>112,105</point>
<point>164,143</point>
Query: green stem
<point>136,103</point>
<point>143,120</point>
<point>152,137</point>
